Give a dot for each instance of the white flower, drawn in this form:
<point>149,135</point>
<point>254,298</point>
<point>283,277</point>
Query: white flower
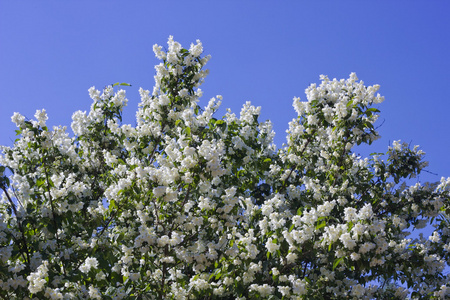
<point>37,279</point>
<point>284,290</point>
<point>266,209</point>
<point>263,290</point>
<point>271,245</point>
<point>53,294</point>
<point>366,247</point>
<point>350,214</point>
<point>291,257</point>
<point>358,290</point>
<point>366,212</point>
<point>94,293</point>
<point>164,240</point>
<point>164,100</point>
<point>18,119</point>
<point>355,256</point>
<point>443,292</point>
<point>435,238</point>
<point>159,53</point>
<point>348,242</point>
<point>90,262</point>
<point>196,50</point>
<point>41,117</point>
<point>94,94</point>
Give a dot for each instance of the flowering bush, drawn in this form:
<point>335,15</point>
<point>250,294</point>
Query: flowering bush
<point>187,206</point>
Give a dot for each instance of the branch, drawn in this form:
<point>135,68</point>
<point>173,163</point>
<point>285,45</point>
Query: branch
<point>51,202</point>
<point>162,294</point>
<point>24,241</point>
<point>182,205</point>
<point>295,166</point>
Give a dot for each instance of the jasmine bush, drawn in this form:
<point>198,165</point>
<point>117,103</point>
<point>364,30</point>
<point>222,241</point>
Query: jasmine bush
<point>187,206</point>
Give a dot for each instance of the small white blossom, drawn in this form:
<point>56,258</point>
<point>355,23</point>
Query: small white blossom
<point>89,263</point>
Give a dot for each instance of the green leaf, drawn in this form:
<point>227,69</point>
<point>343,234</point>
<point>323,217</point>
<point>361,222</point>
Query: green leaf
<point>241,173</point>
<point>212,121</point>
<point>121,84</point>
<point>40,182</point>
<point>350,103</point>
<point>112,204</point>
<point>320,225</point>
<point>292,227</point>
<point>350,226</point>
<point>51,228</point>
<point>336,262</point>
<point>221,124</point>
<point>314,103</point>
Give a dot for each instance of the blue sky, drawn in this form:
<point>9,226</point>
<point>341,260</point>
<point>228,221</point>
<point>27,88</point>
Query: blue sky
<point>265,52</point>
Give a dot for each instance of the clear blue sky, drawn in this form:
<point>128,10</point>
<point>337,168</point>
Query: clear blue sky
<point>266,52</point>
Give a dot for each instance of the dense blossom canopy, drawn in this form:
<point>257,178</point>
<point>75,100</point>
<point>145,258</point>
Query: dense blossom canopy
<point>186,206</point>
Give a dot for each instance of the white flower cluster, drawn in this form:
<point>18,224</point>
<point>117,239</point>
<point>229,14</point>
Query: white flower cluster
<point>187,206</point>
<point>37,279</point>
